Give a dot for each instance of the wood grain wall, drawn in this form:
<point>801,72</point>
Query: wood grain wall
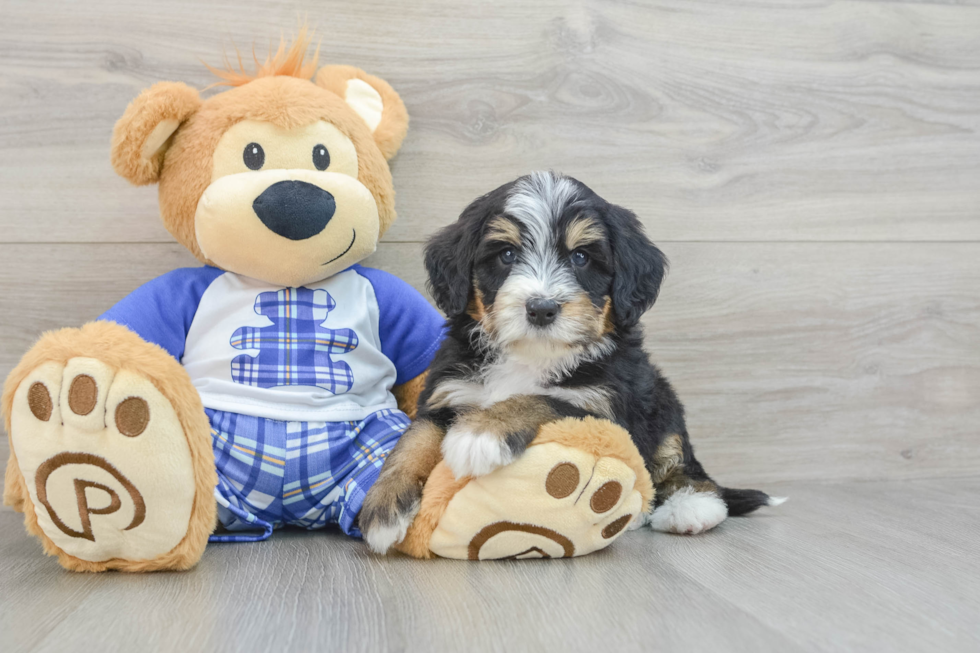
<point>812,169</point>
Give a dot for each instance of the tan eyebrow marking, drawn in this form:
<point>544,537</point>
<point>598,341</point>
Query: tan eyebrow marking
<point>583,231</point>
<point>501,228</point>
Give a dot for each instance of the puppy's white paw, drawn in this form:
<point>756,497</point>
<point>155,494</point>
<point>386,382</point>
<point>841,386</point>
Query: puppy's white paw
<point>689,512</point>
<point>381,537</point>
<point>469,453</point>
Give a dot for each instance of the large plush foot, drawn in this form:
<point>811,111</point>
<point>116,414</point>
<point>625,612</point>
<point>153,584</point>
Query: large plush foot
<point>107,474</point>
<point>575,490</point>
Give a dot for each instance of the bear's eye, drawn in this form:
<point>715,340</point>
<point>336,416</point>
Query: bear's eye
<point>253,156</point>
<point>321,158</point>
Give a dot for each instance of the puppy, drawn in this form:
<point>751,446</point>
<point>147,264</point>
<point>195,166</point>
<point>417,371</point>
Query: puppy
<point>544,283</point>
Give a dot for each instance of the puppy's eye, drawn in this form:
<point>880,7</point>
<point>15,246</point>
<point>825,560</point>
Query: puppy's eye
<point>579,258</point>
<point>508,256</point>
<point>321,158</point>
<point>253,156</point>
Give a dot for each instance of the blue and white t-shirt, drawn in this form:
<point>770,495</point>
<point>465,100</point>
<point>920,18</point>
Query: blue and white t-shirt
<point>329,351</point>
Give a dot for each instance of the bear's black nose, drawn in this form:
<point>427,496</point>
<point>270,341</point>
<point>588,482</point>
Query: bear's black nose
<point>542,312</point>
<point>294,209</point>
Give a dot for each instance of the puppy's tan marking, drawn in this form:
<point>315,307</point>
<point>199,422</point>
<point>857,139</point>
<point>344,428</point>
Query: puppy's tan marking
<point>518,417</point>
<point>407,394</point>
<point>669,456</point>
<point>607,317</point>
<point>397,493</point>
<point>668,474</point>
<point>417,452</point>
<point>593,321</point>
<point>581,232</point>
<point>502,229</point>
<point>476,309</point>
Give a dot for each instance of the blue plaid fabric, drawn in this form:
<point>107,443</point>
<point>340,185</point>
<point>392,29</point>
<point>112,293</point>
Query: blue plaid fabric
<point>309,474</point>
<point>296,349</point>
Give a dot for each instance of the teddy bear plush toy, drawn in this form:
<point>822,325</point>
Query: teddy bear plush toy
<point>266,388</point>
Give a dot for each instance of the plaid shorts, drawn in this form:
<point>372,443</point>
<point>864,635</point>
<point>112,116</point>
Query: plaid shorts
<point>309,474</point>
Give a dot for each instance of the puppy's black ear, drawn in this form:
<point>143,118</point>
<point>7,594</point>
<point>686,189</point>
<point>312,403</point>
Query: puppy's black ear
<point>449,257</point>
<point>639,267</point>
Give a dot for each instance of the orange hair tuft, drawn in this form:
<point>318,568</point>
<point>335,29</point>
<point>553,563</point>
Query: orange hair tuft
<point>288,60</point>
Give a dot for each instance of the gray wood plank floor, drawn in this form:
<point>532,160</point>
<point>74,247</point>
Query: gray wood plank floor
<point>888,566</point>
<point>811,170</point>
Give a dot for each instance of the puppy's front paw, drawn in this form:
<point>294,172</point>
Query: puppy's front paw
<point>474,453</point>
<point>389,509</point>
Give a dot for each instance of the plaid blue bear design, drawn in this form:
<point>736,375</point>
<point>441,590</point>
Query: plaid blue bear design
<point>296,349</point>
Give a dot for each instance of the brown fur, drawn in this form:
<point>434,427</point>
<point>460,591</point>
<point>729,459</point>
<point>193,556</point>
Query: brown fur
<point>407,394</point>
<point>441,487</point>
<point>405,471</point>
<point>283,101</point>
<point>417,452</point>
<point>669,476</point>
<point>608,325</point>
<point>595,321</point>
<point>518,414</point>
<point>504,230</point>
<point>669,456</point>
<point>391,131</point>
<point>163,101</point>
<point>476,309</point>
<point>277,93</point>
<point>581,232</point>
<point>122,349</point>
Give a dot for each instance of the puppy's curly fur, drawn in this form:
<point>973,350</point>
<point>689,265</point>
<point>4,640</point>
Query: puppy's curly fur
<point>544,283</point>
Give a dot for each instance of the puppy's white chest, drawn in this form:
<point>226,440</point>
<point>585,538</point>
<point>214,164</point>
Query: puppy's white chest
<point>497,383</point>
<point>508,379</point>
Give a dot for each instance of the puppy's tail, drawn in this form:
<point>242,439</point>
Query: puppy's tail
<point>742,502</point>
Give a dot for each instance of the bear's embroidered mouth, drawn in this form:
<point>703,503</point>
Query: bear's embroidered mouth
<point>352,239</point>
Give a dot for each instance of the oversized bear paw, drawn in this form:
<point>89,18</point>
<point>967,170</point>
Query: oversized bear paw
<point>575,490</point>
<point>110,457</point>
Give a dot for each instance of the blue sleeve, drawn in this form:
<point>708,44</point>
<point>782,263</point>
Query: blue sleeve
<point>161,311</point>
<point>411,330</point>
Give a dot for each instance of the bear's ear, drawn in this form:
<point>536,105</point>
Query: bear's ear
<point>142,135</point>
<point>373,100</point>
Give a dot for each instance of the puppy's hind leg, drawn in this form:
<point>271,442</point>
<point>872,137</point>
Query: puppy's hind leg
<point>688,501</point>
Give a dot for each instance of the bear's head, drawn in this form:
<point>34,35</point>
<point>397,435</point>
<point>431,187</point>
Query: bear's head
<point>283,178</point>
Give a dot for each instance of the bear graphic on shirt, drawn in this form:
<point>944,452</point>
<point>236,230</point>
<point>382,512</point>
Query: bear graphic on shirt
<point>296,349</point>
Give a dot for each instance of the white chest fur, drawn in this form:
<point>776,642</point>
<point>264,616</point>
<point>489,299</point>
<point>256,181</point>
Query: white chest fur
<point>511,376</point>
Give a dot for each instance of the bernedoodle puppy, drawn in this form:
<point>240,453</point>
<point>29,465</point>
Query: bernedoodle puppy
<point>544,283</point>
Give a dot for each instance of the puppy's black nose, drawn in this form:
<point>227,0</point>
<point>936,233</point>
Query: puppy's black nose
<point>294,209</point>
<point>541,312</point>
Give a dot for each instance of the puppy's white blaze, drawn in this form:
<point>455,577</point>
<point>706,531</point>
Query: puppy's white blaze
<point>474,454</point>
<point>380,538</point>
<point>689,512</point>
<point>777,501</point>
<point>538,199</point>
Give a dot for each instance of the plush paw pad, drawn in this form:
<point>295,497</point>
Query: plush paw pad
<point>554,501</point>
<point>473,453</point>
<point>105,461</point>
